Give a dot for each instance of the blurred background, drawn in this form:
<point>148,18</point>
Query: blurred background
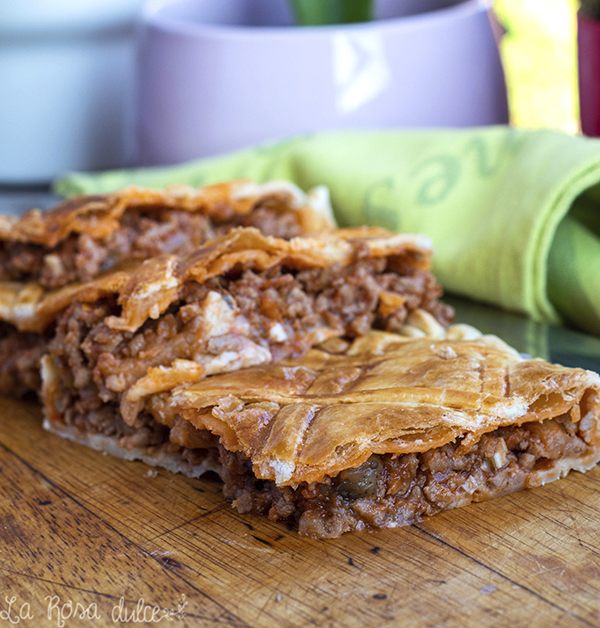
<point>539,54</point>
<point>68,73</point>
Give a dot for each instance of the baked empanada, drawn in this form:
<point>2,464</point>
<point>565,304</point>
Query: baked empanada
<point>387,431</point>
<point>85,236</point>
<point>242,300</point>
<point>43,254</point>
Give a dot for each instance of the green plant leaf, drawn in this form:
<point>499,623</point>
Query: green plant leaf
<point>320,12</point>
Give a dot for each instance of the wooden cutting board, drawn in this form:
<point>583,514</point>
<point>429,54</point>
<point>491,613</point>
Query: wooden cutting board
<point>89,540</point>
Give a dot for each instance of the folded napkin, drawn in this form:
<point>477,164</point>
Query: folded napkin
<point>513,214</point>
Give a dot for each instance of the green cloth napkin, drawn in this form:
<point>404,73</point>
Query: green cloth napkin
<point>513,214</point>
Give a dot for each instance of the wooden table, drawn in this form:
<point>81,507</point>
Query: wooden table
<point>77,527</point>
<point>125,542</point>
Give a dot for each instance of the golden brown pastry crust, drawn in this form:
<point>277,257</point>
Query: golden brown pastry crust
<point>147,289</point>
<point>305,420</point>
<point>183,372</point>
<point>100,215</point>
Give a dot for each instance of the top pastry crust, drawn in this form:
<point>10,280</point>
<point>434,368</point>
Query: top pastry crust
<point>100,215</point>
<point>304,420</point>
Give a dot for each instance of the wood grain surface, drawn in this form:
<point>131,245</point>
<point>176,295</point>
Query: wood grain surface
<point>89,540</point>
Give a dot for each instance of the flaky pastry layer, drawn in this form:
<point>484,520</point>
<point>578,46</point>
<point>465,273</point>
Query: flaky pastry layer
<point>100,215</point>
<point>302,421</point>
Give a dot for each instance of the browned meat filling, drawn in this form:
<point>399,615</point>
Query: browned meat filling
<point>96,364</point>
<point>20,356</point>
<point>388,491</point>
<point>142,234</point>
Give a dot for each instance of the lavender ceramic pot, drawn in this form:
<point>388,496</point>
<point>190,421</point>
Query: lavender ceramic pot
<point>216,75</point>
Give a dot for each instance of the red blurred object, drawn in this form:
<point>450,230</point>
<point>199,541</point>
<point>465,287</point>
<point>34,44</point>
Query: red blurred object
<point>588,40</point>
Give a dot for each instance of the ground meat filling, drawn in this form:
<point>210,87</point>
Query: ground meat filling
<point>97,364</point>
<point>143,233</point>
<point>389,491</point>
<point>20,364</point>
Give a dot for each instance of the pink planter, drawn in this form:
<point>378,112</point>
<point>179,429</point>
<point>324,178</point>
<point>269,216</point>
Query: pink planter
<point>588,38</point>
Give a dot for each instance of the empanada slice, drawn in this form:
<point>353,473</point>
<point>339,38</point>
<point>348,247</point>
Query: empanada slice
<point>49,255</point>
<point>387,431</point>
<point>240,301</point>
<point>85,236</point>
